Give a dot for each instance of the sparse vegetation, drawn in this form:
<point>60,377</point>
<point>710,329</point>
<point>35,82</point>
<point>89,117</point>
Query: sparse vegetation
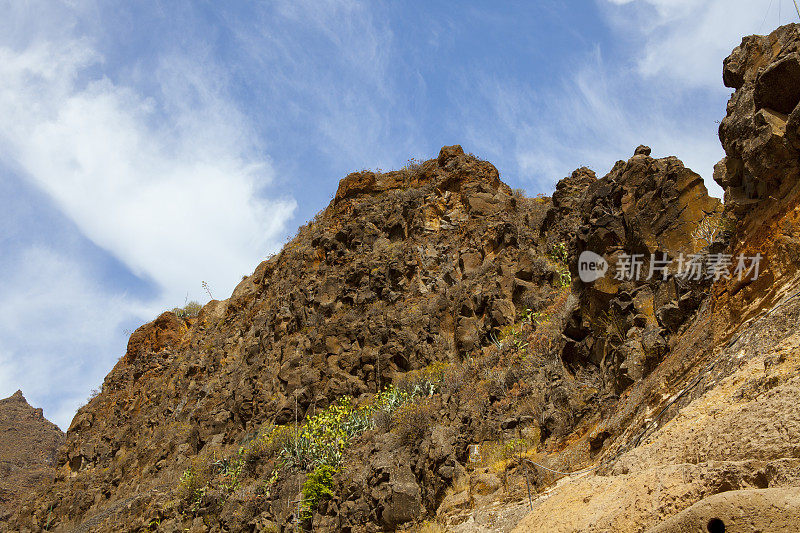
<point>316,446</point>
<point>195,481</point>
<point>707,229</point>
<point>412,421</point>
<point>267,444</point>
<point>560,257</point>
<point>207,288</point>
<point>93,394</point>
<point>190,310</point>
<point>611,325</point>
<point>713,226</point>
<point>413,165</point>
<point>317,487</point>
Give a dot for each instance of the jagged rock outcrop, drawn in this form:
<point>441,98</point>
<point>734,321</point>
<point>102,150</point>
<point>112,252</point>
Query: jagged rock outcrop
<point>650,208</point>
<point>760,133</point>
<point>28,445</point>
<point>760,171</point>
<point>707,440</point>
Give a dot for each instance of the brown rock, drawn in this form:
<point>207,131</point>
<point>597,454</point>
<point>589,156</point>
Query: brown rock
<point>28,448</point>
<point>163,332</point>
<point>778,86</point>
<point>405,499</point>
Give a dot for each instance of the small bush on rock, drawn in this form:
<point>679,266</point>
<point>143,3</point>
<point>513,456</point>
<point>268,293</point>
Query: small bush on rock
<point>267,444</point>
<point>317,487</point>
<point>412,421</point>
<point>560,256</point>
<point>195,480</point>
<point>190,310</point>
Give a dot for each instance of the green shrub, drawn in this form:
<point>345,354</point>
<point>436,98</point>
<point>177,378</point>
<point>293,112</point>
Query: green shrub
<point>560,256</point>
<point>323,437</point>
<point>515,448</point>
<point>229,471</point>
<point>389,399</point>
<point>190,310</point>
<point>317,487</point>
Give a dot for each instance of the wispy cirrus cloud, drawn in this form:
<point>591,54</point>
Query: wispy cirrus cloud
<point>158,193</point>
<point>153,163</point>
<point>656,81</point>
<point>684,41</point>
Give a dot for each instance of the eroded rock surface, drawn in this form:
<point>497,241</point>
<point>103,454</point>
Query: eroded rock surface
<point>28,446</point>
<point>708,439</point>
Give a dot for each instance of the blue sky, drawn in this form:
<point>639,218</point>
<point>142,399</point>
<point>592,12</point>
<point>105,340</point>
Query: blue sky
<point>146,147</point>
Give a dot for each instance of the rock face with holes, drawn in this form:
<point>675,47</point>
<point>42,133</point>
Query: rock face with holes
<point>28,446</point>
<point>745,510</point>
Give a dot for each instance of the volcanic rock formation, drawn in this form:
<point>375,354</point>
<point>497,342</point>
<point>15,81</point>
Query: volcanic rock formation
<point>671,399</point>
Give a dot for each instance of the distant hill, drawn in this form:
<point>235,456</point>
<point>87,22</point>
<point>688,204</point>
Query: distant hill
<point>28,448</point>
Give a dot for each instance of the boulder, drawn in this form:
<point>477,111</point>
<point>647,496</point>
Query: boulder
<point>404,503</point>
<point>739,510</point>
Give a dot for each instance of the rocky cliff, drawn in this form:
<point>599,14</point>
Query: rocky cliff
<point>28,446</point>
<point>425,353</point>
<point>711,439</point>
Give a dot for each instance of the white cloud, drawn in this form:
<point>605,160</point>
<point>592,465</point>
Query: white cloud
<point>170,187</point>
<point>59,331</point>
<point>685,41</point>
<point>661,87</point>
<point>169,180</point>
<point>595,117</point>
